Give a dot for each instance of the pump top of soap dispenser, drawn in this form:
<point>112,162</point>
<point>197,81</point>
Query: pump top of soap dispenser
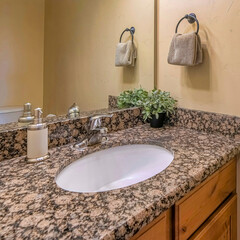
<point>37,116</point>
<point>38,120</point>
<point>27,116</point>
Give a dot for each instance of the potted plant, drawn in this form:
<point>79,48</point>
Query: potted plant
<point>157,106</point>
<point>132,98</point>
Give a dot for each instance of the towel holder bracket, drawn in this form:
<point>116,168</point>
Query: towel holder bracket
<point>192,18</point>
<point>131,30</point>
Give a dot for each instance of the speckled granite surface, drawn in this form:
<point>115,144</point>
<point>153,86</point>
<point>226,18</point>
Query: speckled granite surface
<point>112,101</point>
<point>208,122</point>
<point>62,131</point>
<point>33,207</point>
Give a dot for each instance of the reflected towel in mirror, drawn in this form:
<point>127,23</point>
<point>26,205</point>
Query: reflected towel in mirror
<point>126,54</point>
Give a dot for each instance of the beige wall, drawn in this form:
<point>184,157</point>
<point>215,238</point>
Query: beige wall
<point>21,52</point>
<point>80,40</point>
<point>215,85</point>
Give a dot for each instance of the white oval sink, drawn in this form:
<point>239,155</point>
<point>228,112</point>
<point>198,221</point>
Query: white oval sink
<point>114,168</point>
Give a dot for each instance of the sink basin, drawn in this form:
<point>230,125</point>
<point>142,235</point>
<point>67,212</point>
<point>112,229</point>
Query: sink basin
<point>114,168</point>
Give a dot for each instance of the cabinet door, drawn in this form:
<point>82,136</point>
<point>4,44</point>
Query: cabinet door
<point>193,210</point>
<point>159,229</point>
<point>222,225</point>
<point>157,232</point>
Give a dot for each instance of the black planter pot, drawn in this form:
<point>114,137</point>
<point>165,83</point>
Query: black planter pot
<point>157,123</point>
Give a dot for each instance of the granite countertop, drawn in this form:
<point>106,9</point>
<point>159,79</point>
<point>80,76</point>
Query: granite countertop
<point>32,206</point>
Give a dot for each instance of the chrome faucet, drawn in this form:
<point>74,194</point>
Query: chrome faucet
<point>95,133</point>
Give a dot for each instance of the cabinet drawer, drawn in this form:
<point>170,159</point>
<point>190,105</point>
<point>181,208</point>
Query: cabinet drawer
<point>221,225</point>
<point>199,204</point>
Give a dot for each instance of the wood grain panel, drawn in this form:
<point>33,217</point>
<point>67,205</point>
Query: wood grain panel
<point>199,204</point>
<point>159,229</point>
<point>222,225</point>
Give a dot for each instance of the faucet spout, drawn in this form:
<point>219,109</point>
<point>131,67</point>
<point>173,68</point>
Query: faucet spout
<point>96,133</point>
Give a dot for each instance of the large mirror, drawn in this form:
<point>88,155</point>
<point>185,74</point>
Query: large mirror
<point>57,52</point>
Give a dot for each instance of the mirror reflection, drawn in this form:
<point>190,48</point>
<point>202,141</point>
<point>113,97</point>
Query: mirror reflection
<point>55,53</point>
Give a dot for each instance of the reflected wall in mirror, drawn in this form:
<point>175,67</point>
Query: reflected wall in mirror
<point>54,53</point>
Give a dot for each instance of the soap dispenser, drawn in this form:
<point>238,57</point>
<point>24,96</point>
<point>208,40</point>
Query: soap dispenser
<point>37,138</point>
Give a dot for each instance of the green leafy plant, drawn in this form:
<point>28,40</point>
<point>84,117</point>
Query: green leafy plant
<point>132,98</point>
<point>158,102</point>
<point>152,103</point>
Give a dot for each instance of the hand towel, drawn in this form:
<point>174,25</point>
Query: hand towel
<point>185,50</point>
<point>126,54</point>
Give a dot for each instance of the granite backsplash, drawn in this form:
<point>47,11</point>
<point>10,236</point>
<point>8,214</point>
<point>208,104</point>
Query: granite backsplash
<point>13,142</point>
<point>62,131</point>
<point>209,122</point>
<point>112,101</point>
<point>200,120</point>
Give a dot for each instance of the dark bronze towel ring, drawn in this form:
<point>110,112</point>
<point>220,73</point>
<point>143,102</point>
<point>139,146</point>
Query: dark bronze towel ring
<point>131,30</point>
<point>192,18</point>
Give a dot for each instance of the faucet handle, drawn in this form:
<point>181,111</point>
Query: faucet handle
<point>101,116</point>
<point>104,130</point>
<point>96,121</point>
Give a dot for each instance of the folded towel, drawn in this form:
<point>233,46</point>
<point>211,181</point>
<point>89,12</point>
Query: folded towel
<point>126,54</point>
<point>185,50</point>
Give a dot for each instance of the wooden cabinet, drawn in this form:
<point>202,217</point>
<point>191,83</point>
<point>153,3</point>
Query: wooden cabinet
<point>222,225</point>
<point>192,210</point>
<point>159,229</point>
<point>209,212</point>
